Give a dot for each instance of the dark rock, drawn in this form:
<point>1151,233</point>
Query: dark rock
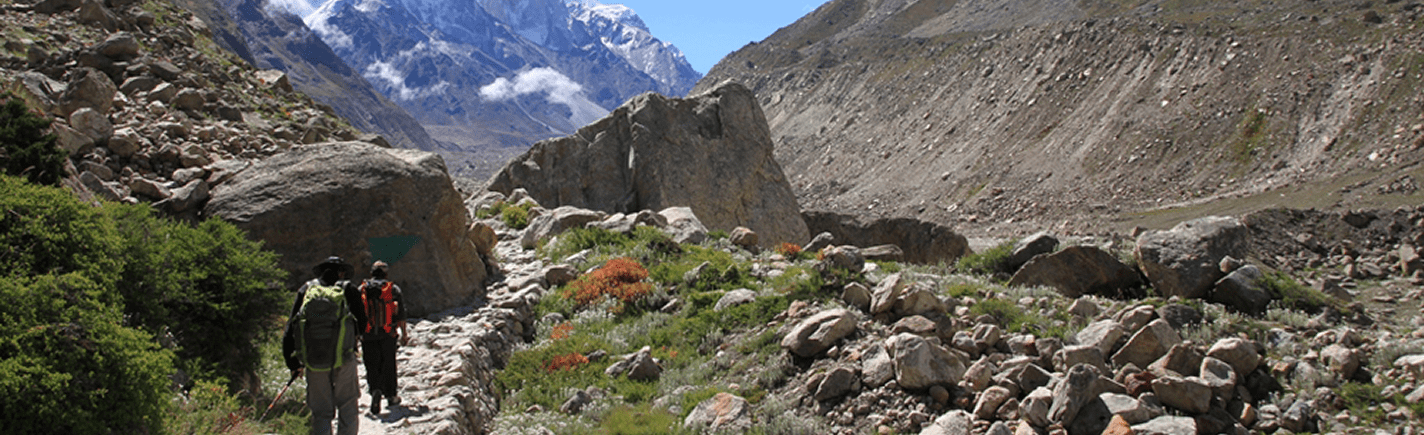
<point>88,88</point>
<point>1179,315</point>
<point>1031,246</point>
<point>1185,261</point>
<point>1078,271</point>
<point>922,242</point>
<point>837,383</point>
<point>1241,291</point>
<point>119,46</point>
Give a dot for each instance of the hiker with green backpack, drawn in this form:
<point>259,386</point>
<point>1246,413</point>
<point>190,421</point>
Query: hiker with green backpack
<point>320,340</point>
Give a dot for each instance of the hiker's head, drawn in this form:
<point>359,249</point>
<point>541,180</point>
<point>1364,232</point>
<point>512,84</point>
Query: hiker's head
<point>332,269</point>
<point>378,270</point>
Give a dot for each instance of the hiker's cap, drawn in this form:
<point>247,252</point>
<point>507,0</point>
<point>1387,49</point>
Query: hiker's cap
<point>333,262</point>
<point>379,265</point>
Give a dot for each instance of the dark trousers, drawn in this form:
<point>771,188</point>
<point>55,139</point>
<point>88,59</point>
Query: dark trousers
<point>380,357</point>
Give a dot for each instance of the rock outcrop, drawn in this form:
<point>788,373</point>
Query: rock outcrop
<point>363,203</point>
<point>1185,261</point>
<point>711,152</point>
<point>921,242</point>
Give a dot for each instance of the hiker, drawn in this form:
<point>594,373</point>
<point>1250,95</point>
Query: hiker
<point>320,340</point>
<point>386,313</point>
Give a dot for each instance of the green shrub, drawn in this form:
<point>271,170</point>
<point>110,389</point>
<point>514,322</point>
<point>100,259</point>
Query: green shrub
<point>959,290</point>
<point>517,217</point>
<point>217,292</point>
<point>70,366</point>
<point>27,151</point>
<point>46,230</point>
<point>723,271</point>
<point>1017,319</point>
<point>1290,294</point>
<point>214,290</point>
<point>640,419</point>
<point>992,261</point>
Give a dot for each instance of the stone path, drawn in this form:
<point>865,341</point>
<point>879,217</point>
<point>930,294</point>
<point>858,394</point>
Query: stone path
<point>447,370</point>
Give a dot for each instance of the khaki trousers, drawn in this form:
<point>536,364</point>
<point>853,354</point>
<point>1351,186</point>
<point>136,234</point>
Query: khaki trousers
<point>334,394</point>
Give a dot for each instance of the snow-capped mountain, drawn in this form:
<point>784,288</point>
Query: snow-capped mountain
<point>501,74</point>
<point>621,30</point>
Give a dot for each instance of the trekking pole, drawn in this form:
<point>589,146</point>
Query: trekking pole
<point>295,374</point>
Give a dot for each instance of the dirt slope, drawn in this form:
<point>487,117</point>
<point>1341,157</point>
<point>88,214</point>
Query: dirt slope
<point>1082,116</point>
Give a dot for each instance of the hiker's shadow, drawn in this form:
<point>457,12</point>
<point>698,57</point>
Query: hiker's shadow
<point>401,412</point>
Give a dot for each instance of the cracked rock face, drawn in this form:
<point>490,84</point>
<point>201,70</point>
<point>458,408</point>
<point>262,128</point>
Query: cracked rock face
<point>710,152</point>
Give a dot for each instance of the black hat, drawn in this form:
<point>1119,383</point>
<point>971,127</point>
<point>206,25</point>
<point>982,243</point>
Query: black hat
<point>334,262</point>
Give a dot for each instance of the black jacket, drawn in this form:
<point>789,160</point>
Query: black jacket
<point>289,339</point>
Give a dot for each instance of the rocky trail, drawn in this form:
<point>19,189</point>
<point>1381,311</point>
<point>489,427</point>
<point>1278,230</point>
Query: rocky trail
<point>447,371</point>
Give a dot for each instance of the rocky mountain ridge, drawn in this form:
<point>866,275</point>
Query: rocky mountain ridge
<point>270,38</point>
<point>493,77</point>
<point>982,114</point>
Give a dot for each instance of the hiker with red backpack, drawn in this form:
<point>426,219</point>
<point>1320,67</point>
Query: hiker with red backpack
<point>379,339</point>
<point>320,340</point>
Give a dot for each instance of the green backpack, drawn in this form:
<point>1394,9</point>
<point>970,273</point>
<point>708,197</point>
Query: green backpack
<point>326,329</point>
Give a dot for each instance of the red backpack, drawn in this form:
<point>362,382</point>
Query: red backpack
<point>381,310</point>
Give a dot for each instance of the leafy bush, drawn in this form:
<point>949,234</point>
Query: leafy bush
<point>27,151</point>
<point>107,279</point>
<point>620,279</point>
<point>515,216</point>
<point>46,230</point>
<point>217,292</point>
<point>68,365</point>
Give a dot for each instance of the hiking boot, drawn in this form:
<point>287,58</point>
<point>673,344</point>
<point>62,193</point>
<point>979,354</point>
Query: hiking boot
<point>376,405</point>
<point>393,401</point>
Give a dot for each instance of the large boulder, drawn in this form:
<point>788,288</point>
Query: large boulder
<point>723,412</point>
<point>921,364</point>
<point>363,203</point>
<point>711,152</point>
<point>819,332</point>
<point>1241,291</point>
<point>1078,271</point>
<point>1185,261</point>
<point>921,242</point>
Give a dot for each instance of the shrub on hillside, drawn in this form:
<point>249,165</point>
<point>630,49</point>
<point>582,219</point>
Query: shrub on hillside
<point>621,279</point>
<point>69,365</point>
<point>25,149</point>
<point>992,261</point>
<point>210,287</point>
<point>217,292</point>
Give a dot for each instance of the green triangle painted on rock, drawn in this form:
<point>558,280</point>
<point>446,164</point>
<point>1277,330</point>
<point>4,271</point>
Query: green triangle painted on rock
<point>391,249</point>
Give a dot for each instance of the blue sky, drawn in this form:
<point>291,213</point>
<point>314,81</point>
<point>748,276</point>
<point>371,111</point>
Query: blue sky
<point>706,31</point>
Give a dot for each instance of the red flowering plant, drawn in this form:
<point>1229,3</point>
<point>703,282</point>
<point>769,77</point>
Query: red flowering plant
<point>621,280</point>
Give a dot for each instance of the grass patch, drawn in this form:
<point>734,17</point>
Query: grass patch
<point>1016,319</point>
<point>991,261</point>
<point>1365,400</point>
<point>515,216</point>
<point>1290,294</point>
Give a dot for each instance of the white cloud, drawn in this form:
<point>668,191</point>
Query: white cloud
<point>388,73</point>
<point>298,7</point>
<point>558,87</point>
